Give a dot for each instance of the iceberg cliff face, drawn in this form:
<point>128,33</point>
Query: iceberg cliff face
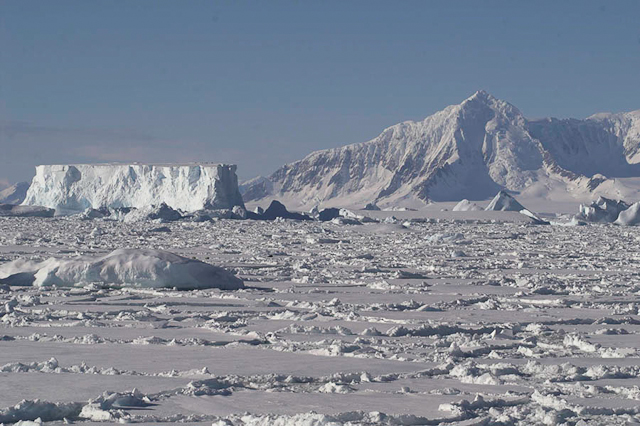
<point>74,188</point>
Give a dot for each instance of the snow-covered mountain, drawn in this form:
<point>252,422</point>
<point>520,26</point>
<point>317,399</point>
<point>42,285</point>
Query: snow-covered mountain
<point>471,150</point>
<point>15,194</point>
<point>190,187</point>
<point>606,144</point>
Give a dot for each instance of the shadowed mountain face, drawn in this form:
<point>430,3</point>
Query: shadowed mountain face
<point>471,150</point>
<point>15,194</point>
<point>604,144</point>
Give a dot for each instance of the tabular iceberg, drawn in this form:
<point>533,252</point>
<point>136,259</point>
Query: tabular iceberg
<point>191,187</point>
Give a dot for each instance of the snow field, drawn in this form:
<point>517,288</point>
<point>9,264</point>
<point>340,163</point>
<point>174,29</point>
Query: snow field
<point>337,324</point>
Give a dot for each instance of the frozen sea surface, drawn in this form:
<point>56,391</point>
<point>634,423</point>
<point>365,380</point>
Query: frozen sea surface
<point>440,322</point>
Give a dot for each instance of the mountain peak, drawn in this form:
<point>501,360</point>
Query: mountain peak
<point>469,150</point>
<point>482,95</point>
<point>483,100</point>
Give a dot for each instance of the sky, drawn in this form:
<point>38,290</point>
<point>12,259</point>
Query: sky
<point>264,83</point>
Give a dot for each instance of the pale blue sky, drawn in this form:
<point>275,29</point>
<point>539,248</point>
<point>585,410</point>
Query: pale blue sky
<point>263,83</point>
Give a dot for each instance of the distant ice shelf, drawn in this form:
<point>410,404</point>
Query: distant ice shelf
<point>188,187</point>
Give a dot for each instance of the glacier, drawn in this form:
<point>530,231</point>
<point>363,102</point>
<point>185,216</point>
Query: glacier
<point>189,187</point>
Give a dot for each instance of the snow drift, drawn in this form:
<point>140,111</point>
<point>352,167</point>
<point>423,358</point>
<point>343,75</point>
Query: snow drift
<point>126,267</point>
<point>74,188</point>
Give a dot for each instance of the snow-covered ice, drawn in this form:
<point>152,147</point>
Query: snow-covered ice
<point>458,318</point>
<point>630,216</point>
<point>466,206</point>
<point>602,210</point>
<point>503,202</point>
<point>126,267</point>
<point>191,187</point>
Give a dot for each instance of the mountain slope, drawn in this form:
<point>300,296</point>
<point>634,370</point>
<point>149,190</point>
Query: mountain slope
<point>471,150</point>
<point>14,194</point>
<point>604,143</point>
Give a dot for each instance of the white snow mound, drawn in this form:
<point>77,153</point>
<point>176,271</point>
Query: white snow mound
<point>127,267</point>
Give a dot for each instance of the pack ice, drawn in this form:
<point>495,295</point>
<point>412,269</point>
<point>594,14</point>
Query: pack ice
<point>191,187</point>
<point>479,318</point>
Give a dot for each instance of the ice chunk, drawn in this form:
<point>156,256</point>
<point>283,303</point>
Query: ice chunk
<point>44,410</point>
<point>371,206</point>
<point>505,203</point>
<point>629,217</point>
<point>25,211</point>
<point>602,210</point>
<point>466,206</point>
<point>127,267</point>
<point>328,214</point>
<point>278,210</point>
<point>162,213</point>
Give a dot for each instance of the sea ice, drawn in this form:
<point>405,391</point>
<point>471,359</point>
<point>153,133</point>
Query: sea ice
<point>481,314</point>
<point>25,211</point>
<point>123,267</point>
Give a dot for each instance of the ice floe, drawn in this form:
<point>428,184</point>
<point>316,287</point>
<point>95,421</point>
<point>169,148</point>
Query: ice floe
<point>128,267</point>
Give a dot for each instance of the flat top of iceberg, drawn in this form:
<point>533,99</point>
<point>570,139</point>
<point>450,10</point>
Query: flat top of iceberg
<point>72,188</point>
<point>135,163</point>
